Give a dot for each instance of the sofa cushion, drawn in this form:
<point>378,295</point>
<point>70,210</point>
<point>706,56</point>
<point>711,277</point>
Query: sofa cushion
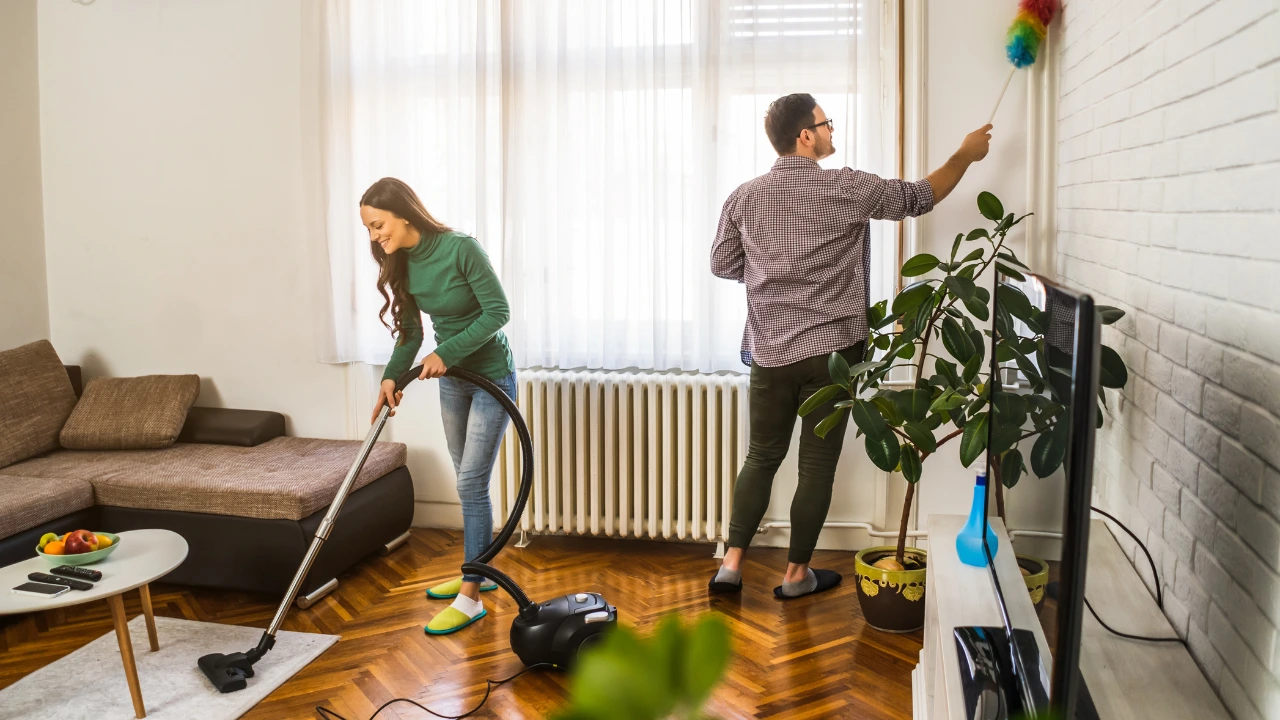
<point>131,413</point>
<point>285,478</point>
<point>35,400</point>
<point>26,502</point>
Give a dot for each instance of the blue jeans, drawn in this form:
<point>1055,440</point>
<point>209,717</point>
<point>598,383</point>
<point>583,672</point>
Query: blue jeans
<point>474,423</point>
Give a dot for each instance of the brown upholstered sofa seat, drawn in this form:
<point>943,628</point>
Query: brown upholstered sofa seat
<point>32,501</point>
<point>287,478</point>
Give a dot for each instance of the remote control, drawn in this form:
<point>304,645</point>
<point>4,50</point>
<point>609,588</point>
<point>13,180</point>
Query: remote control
<point>55,580</point>
<point>79,573</point>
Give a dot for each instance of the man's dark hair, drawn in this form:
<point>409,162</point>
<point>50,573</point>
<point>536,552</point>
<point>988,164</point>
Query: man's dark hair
<point>787,116</point>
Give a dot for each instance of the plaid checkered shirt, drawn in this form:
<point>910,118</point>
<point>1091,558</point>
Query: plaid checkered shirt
<point>799,238</point>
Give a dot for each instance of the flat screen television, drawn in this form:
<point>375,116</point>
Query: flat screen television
<point>1044,358</point>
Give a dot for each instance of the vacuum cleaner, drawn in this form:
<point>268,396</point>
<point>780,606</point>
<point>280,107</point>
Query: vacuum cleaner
<point>549,633</point>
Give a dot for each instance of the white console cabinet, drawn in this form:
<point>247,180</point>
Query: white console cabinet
<point>1128,679</point>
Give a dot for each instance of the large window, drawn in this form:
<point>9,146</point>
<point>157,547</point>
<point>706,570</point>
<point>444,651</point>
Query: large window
<point>588,145</point>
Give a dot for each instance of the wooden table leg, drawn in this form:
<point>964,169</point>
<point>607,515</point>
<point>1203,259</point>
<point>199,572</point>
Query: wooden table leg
<point>145,593</point>
<point>116,603</point>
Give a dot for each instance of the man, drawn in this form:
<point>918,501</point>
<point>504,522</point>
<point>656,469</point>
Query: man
<point>799,238</point>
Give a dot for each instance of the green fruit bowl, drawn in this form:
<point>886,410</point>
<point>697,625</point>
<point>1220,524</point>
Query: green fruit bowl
<point>82,558</point>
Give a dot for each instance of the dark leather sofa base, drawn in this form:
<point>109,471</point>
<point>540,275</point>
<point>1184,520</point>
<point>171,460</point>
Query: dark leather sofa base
<point>261,556</point>
<point>22,546</point>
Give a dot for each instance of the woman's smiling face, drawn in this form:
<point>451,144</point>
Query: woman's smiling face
<point>390,231</point>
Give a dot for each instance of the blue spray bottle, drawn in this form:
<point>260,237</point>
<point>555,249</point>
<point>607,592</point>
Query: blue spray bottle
<point>969,541</point>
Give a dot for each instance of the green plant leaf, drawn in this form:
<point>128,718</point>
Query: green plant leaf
<point>974,439</point>
<point>1009,407</point>
<point>924,313</point>
<point>1012,298</point>
<point>963,287</point>
<point>1048,452</point>
<point>888,408</point>
<point>971,369</point>
<point>1006,351</point>
<point>1011,259</point>
<point>617,679</point>
<point>862,367</point>
<point>955,246</point>
<point>884,451</point>
<point>911,468</point>
<point>977,308</point>
<point>868,419</point>
<point>956,341</point>
<point>828,423</point>
<point>818,399</point>
<point>990,207</point>
<point>911,297</point>
<point>919,265</point>
<point>1114,373</point>
<point>1004,436</point>
<point>921,436</point>
<point>907,351</point>
<point>1108,314</point>
<point>706,656</point>
<point>1005,224</point>
<point>975,234</point>
<point>838,367</point>
<point>975,255</point>
<point>913,405</point>
<point>968,271</point>
<point>948,400</point>
<point>1010,272</point>
<point>876,313</point>
<point>882,342</point>
<point>948,370</point>
<point>1011,468</point>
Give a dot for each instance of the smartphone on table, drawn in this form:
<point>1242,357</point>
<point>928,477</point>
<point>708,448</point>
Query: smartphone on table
<point>39,589</point>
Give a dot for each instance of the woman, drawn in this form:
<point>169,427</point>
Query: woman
<point>424,267</point>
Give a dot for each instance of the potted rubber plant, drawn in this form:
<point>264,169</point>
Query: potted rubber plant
<point>947,400</point>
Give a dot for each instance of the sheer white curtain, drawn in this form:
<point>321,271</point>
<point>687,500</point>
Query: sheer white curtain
<point>589,145</point>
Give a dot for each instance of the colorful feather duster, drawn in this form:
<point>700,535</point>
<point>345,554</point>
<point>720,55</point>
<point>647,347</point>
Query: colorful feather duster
<point>1022,43</point>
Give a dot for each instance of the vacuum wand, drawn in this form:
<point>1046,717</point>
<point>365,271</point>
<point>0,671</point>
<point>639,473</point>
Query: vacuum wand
<point>229,673</point>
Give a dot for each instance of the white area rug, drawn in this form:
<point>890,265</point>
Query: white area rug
<point>89,683</point>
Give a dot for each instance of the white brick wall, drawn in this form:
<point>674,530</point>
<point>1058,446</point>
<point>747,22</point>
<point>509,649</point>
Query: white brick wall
<point>1169,207</point>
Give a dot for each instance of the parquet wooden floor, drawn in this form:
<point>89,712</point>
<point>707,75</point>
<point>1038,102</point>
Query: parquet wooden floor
<point>808,658</point>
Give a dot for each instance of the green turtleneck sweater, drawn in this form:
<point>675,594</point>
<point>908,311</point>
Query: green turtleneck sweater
<point>451,280</point>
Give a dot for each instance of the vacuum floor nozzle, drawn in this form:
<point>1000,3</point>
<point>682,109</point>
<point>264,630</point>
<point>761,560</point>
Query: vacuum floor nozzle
<point>227,673</point>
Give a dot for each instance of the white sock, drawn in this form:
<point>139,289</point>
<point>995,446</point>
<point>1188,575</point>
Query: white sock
<point>467,606</point>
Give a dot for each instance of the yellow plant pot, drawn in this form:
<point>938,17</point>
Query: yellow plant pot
<point>891,600</point>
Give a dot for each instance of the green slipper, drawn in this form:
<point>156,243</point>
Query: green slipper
<point>449,590</point>
<point>451,620</point>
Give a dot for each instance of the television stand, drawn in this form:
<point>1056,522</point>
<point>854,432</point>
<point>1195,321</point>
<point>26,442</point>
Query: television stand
<point>1126,679</point>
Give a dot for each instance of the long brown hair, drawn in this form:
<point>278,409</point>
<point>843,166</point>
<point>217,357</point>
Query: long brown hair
<point>396,197</point>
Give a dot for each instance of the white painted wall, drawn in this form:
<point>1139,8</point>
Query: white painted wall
<point>24,305</point>
<point>1169,206</point>
<point>965,68</point>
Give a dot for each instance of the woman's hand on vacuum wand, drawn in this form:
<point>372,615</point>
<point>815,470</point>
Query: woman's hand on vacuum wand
<point>387,395</point>
<point>432,367</point>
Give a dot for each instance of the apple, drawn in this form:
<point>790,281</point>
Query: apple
<point>46,539</point>
<point>76,545</point>
<point>89,539</point>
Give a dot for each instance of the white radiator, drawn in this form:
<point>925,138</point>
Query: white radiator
<point>627,454</point>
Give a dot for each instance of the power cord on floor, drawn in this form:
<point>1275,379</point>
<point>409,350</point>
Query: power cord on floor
<point>1154,574</point>
<point>491,684</point>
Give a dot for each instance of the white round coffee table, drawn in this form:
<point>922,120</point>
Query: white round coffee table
<point>143,556</point>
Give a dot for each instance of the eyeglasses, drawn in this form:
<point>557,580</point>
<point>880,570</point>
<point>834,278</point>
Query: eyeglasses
<point>828,122</point>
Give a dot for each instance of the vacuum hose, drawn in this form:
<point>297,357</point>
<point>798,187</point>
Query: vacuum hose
<point>479,565</point>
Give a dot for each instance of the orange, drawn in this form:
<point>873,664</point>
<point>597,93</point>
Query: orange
<point>55,548</point>
<point>103,541</point>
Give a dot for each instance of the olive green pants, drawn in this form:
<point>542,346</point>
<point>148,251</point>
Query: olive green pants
<point>776,396</point>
